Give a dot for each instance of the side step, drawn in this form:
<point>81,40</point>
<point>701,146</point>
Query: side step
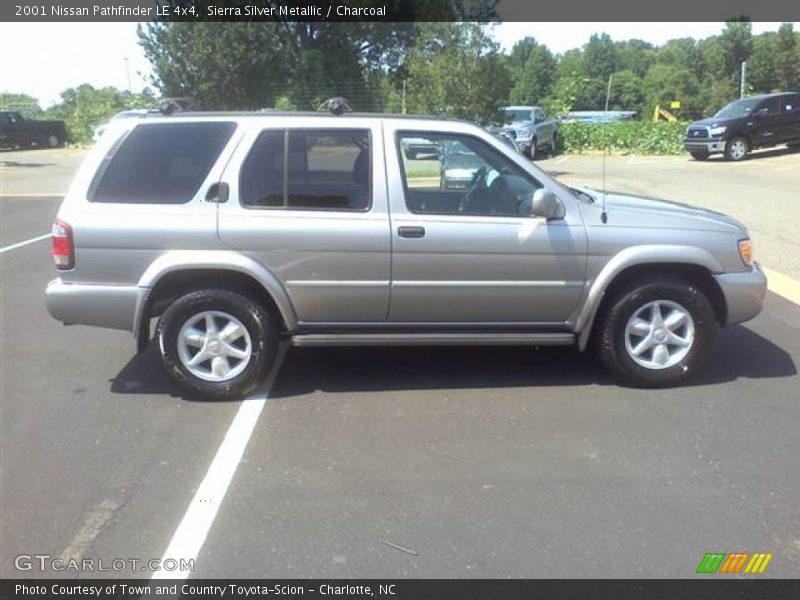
<point>433,339</point>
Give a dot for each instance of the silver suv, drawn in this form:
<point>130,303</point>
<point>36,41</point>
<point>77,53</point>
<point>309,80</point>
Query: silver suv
<point>238,230</point>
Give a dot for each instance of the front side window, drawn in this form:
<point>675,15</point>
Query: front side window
<point>161,163</point>
<point>466,176</point>
<point>770,106</point>
<point>308,169</point>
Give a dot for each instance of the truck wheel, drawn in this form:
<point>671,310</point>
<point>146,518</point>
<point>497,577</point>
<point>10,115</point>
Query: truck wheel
<point>217,343</point>
<point>554,144</point>
<point>657,332</point>
<point>700,155</point>
<point>532,149</point>
<point>736,148</point>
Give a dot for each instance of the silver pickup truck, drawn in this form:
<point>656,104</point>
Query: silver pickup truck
<point>531,129</point>
<point>236,231</point>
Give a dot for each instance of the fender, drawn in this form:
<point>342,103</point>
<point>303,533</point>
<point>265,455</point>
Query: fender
<point>230,260</point>
<point>584,316</point>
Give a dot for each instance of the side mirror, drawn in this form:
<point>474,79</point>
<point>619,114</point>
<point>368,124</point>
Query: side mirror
<point>546,204</point>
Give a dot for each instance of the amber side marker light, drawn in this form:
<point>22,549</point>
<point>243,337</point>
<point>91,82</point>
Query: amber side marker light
<point>746,252</point>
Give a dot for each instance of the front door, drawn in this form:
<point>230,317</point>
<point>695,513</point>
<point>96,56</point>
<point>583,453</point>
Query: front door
<point>466,249</point>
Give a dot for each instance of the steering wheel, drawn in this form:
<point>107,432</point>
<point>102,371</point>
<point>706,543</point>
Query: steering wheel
<point>477,186</point>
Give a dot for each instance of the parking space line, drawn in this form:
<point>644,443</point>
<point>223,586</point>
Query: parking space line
<point>189,537</point>
<point>783,285</point>
<point>24,243</point>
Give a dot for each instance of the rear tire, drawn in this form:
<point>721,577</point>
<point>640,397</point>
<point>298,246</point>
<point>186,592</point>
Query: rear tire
<point>737,148</point>
<point>532,150</point>
<point>657,332</point>
<point>232,364</point>
<point>700,155</point>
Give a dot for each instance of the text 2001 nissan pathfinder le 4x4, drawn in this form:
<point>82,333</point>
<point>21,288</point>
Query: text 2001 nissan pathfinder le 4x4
<point>237,230</point>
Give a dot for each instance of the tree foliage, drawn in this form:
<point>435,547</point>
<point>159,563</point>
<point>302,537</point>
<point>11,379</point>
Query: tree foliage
<point>26,105</point>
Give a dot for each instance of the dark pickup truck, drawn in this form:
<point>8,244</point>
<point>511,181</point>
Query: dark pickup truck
<point>746,124</point>
<point>17,131</point>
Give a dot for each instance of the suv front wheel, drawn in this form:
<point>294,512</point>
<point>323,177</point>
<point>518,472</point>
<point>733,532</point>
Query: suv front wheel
<point>657,333</point>
<point>737,148</point>
<point>217,343</point>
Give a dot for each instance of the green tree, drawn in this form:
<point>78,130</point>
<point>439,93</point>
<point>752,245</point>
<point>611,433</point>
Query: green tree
<point>26,105</point>
<point>532,69</point>
<point>600,57</point>
<point>84,107</point>
<point>626,92</point>
<point>635,56</point>
<point>455,69</point>
<point>737,45</point>
<point>665,83</point>
<point>787,58</point>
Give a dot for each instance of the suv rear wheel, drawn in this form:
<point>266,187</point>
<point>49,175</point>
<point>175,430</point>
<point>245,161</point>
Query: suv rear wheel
<point>657,333</point>
<point>217,343</point>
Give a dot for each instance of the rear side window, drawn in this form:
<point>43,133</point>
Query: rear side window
<point>308,170</point>
<point>161,163</point>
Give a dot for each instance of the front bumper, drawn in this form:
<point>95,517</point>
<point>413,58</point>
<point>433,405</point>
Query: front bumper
<point>744,293</point>
<point>708,146</point>
<point>111,306</point>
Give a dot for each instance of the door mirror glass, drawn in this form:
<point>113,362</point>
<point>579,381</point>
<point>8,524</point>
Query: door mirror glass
<point>546,204</point>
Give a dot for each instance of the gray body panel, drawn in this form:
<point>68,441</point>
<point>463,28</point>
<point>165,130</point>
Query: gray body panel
<point>349,277</point>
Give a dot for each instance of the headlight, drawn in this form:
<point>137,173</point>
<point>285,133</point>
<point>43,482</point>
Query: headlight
<point>719,130</point>
<point>746,251</point>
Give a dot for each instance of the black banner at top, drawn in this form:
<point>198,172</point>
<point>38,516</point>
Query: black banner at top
<point>397,10</point>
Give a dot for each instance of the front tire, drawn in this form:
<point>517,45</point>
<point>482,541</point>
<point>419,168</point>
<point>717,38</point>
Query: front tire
<point>737,148</point>
<point>532,150</point>
<point>657,333</point>
<point>216,343</point>
<point>700,155</point>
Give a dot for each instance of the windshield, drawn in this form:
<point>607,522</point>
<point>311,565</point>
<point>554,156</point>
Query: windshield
<point>515,116</point>
<point>740,108</point>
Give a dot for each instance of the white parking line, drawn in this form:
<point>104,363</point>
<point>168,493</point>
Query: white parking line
<point>24,243</point>
<point>189,537</point>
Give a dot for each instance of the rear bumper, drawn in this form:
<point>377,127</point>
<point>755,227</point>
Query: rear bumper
<point>111,306</point>
<point>744,293</point>
<point>709,146</point>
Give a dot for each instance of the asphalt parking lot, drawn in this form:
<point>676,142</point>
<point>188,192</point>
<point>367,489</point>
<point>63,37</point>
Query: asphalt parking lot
<point>405,462</point>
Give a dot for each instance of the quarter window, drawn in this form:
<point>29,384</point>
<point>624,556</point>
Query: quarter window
<point>161,163</point>
<point>449,174</point>
<point>308,170</point>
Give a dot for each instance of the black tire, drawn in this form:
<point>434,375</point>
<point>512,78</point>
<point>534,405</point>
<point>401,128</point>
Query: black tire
<point>531,154</point>
<point>731,148</point>
<point>554,145</point>
<point>260,325</point>
<point>700,155</point>
<point>626,302</point>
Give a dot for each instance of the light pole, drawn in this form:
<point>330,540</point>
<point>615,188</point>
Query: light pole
<point>743,79</point>
<point>128,74</point>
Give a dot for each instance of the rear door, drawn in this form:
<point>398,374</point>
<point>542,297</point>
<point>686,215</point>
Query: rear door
<point>769,123</point>
<point>471,253</point>
<point>308,202</point>
<point>790,107</point>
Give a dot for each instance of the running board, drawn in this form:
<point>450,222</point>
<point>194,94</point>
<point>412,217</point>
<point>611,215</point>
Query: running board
<point>433,339</point>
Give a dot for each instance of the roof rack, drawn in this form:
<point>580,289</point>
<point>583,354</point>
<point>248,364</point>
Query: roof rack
<point>336,106</point>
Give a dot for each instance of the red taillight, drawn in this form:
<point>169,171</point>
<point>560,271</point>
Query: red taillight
<point>63,248</point>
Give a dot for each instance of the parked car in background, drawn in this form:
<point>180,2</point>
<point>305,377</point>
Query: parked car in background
<point>238,230</point>
<point>125,114</point>
<point>596,116</point>
<point>744,125</point>
<point>530,128</point>
<point>418,148</point>
<point>508,140</point>
<point>17,131</point>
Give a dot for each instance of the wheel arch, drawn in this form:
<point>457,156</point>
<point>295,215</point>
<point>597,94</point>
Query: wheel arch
<point>696,265</point>
<point>174,274</point>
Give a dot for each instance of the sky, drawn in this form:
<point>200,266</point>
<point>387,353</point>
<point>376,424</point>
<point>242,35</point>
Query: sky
<point>43,59</point>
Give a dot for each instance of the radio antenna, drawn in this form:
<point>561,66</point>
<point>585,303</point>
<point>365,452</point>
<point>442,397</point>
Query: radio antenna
<point>603,212</point>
